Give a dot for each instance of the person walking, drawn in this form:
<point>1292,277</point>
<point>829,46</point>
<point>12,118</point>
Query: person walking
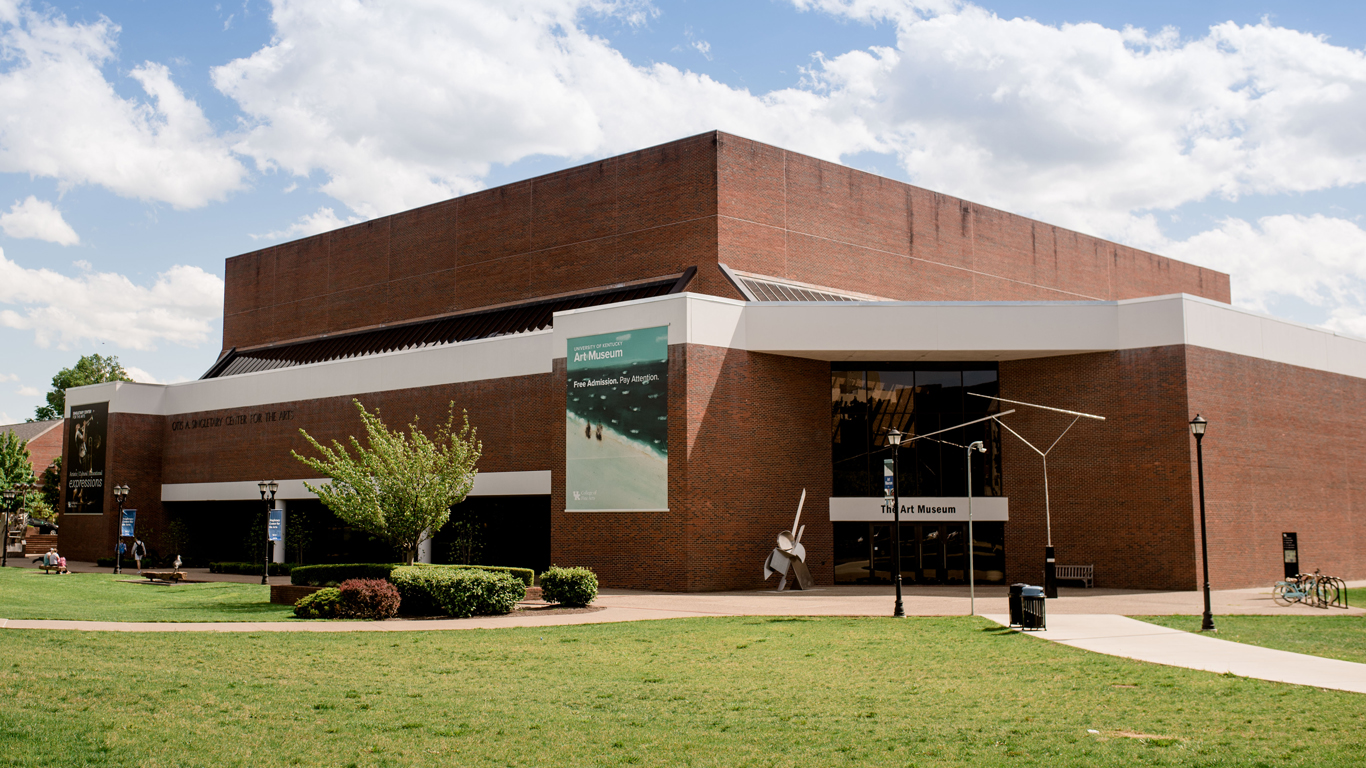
<point>139,552</point>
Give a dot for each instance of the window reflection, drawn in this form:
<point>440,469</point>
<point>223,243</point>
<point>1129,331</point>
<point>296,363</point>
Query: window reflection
<point>931,553</point>
<point>917,399</point>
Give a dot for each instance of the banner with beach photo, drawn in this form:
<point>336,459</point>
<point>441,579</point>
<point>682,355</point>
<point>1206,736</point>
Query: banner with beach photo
<point>617,422</point>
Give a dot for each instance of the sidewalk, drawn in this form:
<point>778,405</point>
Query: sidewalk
<point>1133,639</point>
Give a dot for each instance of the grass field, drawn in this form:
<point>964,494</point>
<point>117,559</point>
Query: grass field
<point>1333,637</point>
<point>693,692</point>
<point>26,593</point>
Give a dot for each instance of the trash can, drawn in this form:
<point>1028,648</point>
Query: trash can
<point>1032,608</point>
<point>1016,591</point>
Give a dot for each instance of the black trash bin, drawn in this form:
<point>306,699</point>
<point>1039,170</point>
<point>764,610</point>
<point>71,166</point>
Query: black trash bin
<point>1016,591</point>
<point>1032,608</point>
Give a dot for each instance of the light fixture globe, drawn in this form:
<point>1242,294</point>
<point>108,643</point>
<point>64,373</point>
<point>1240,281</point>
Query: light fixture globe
<point>274,486</point>
<point>1198,425</point>
<point>893,437</point>
<point>9,494</point>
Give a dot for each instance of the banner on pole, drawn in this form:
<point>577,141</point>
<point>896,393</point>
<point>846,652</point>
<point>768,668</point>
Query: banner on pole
<point>275,525</point>
<point>126,522</point>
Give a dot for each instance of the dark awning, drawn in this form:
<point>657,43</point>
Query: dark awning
<point>467,326</point>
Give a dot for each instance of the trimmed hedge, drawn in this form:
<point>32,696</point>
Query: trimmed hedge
<point>569,586</point>
<point>250,569</point>
<point>324,575</point>
<point>457,592</point>
<point>525,575</point>
<point>368,599</point>
<point>323,604</point>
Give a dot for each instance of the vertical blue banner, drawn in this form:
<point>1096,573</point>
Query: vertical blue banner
<point>275,524</point>
<point>126,522</point>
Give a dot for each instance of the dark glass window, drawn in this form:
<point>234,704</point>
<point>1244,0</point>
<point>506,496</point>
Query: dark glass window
<point>917,399</point>
<point>931,553</point>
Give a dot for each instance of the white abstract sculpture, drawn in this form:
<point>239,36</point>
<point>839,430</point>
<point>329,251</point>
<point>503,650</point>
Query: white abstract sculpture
<point>790,554</point>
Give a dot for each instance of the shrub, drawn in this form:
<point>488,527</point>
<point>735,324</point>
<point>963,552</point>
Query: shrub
<point>458,592</point>
<point>368,599</point>
<point>323,604</point>
<point>247,569</point>
<point>321,575</point>
<point>526,575</point>
<point>569,586</point>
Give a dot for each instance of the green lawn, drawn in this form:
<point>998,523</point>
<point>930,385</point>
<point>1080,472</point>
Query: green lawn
<point>1356,597</point>
<point>1331,636</point>
<point>691,692</point>
<point>27,593</point>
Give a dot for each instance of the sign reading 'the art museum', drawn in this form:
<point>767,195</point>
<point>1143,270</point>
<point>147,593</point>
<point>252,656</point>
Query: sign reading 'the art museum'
<point>86,433</point>
<point>616,422</point>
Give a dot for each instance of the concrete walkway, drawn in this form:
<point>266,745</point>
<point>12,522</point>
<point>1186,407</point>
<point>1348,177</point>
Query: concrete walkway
<point>1133,639</point>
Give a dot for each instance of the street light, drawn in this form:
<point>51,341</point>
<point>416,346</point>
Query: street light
<point>120,496</point>
<point>268,489</point>
<point>10,508</point>
<point>894,440</point>
<point>1198,426</point>
<point>972,563</point>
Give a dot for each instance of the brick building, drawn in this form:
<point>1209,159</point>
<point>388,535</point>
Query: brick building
<point>802,308</point>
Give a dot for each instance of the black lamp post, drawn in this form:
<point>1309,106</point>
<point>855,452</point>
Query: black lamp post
<point>268,489</point>
<point>120,496</point>
<point>894,440</point>
<point>1198,429</point>
<point>10,508</point>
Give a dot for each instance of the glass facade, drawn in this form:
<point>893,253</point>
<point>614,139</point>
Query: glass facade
<point>915,398</point>
<point>869,399</point>
<point>931,553</point>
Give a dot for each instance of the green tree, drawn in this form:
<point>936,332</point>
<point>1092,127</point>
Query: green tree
<point>16,471</point>
<point>90,369</point>
<point>51,480</point>
<point>399,487</point>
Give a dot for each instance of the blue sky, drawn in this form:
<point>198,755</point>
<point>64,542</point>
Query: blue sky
<point>145,142</point>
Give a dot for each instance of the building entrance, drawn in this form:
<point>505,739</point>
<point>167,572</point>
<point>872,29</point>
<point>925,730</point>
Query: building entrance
<point>931,553</point>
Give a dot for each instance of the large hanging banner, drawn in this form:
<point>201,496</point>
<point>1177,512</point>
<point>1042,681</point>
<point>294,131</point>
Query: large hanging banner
<point>617,422</point>
<point>86,435</point>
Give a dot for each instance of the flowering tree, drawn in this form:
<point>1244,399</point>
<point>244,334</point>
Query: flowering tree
<point>400,486</point>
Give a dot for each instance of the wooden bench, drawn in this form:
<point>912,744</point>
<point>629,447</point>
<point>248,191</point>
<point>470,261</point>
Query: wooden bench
<point>50,568</point>
<point>1083,573</point>
<point>167,576</point>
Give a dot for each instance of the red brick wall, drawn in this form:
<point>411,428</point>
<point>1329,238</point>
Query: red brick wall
<point>46,448</point>
<point>1283,452</point>
<point>1119,489</point>
<point>788,215</point>
<point>640,215</point>
<point>133,458</point>
<point>512,416</point>
<point>747,432</point>
<point>693,202</point>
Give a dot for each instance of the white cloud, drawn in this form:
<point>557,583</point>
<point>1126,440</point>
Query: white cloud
<point>321,220</point>
<point>9,377</point>
<point>179,307</point>
<point>1085,125</point>
<point>1317,259</point>
<point>38,219</point>
<point>406,105</point>
<point>29,391</point>
<point>64,120</point>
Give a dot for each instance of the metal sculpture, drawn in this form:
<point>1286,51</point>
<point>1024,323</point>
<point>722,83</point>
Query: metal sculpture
<point>790,555</point>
